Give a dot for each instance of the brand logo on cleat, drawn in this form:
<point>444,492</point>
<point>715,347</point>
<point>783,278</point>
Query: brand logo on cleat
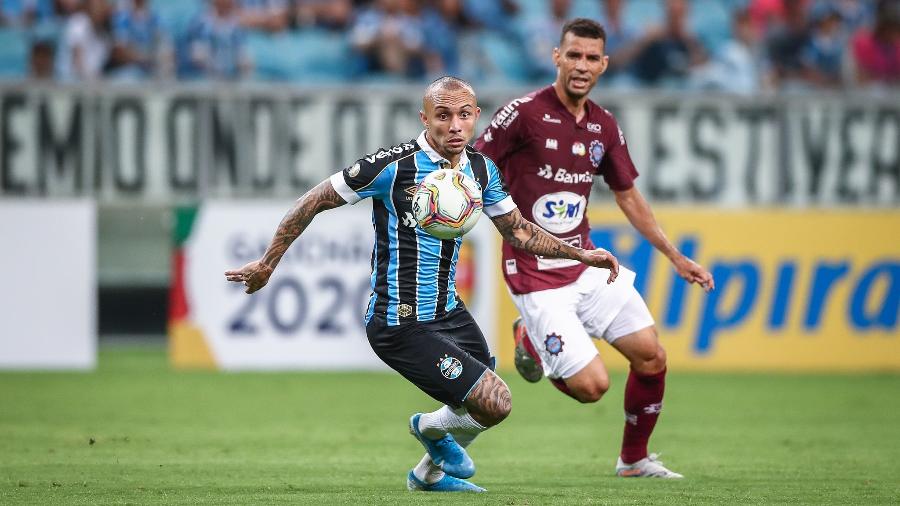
<point>450,367</point>
<point>652,409</point>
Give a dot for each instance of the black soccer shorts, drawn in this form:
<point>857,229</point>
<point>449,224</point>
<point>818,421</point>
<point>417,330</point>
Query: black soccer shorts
<point>445,357</point>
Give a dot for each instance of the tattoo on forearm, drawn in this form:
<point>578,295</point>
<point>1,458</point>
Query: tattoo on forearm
<point>320,198</point>
<point>489,402</point>
<point>525,235</point>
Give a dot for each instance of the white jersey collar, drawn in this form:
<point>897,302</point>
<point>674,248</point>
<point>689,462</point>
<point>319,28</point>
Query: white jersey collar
<point>437,158</point>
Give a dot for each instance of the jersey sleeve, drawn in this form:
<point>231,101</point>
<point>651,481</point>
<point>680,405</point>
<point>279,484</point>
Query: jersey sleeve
<point>361,180</point>
<point>505,134</point>
<point>616,167</point>
<point>497,201</point>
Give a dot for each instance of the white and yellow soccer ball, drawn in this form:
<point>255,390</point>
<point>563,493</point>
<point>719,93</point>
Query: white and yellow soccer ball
<point>447,203</point>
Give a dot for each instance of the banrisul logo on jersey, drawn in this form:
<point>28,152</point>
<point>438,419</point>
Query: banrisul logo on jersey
<point>559,212</point>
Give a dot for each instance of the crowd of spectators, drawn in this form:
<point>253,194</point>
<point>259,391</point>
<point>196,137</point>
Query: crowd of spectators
<point>758,44</point>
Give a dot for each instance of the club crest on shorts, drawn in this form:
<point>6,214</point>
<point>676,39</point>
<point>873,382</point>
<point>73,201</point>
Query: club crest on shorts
<point>596,152</point>
<point>554,344</point>
<point>450,367</point>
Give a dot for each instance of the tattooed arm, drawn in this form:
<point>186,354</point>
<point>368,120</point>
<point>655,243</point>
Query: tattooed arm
<point>525,235</point>
<point>256,274</point>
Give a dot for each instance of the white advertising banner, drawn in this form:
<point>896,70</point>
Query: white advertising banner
<point>48,308</point>
<point>311,314</point>
<point>175,144</point>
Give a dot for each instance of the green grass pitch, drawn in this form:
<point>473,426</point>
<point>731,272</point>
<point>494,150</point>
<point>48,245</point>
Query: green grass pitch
<point>135,432</point>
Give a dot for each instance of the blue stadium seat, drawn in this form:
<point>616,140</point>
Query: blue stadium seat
<point>712,21</point>
<point>175,15</point>
<point>269,59</point>
<point>303,56</point>
<point>532,8</point>
<point>644,13</point>
<point>504,58</point>
<point>585,9</point>
<point>325,55</point>
<point>14,49</point>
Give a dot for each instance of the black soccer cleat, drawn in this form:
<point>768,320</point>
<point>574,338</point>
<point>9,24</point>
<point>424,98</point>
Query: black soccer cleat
<point>528,363</point>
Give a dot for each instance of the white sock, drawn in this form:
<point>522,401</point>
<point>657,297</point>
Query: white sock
<point>438,423</point>
<point>427,471</point>
<point>430,473</point>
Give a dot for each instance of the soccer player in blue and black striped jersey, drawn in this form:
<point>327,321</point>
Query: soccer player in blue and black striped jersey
<point>415,322</point>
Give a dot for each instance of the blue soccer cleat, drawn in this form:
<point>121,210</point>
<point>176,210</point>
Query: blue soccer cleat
<point>445,452</point>
<point>445,484</point>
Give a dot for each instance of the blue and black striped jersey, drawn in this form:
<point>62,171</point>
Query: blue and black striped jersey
<point>413,273</point>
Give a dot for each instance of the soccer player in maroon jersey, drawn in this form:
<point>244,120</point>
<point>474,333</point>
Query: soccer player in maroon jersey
<point>549,145</point>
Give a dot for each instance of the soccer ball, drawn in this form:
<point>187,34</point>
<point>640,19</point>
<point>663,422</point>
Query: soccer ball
<point>447,203</point>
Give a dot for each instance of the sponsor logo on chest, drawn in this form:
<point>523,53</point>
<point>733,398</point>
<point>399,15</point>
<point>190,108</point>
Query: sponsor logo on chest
<point>549,119</point>
<point>508,114</point>
<point>564,176</point>
<point>559,212</point>
<point>408,220</point>
<point>384,153</point>
<point>594,127</point>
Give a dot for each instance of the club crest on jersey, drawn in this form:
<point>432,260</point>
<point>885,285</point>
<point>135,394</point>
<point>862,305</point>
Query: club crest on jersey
<point>450,367</point>
<point>552,144</point>
<point>554,344</point>
<point>404,310</point>
<point>594,127</point>
<point>353,171</point>
<point>578,149</point>
<point>596,152</point>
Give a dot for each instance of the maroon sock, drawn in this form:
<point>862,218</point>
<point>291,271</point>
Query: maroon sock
<point>643,402</point>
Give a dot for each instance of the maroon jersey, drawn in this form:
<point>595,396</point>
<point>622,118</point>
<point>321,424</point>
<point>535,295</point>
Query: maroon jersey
<point>548,162</point>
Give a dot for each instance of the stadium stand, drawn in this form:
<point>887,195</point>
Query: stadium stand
<point>491,37</point>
